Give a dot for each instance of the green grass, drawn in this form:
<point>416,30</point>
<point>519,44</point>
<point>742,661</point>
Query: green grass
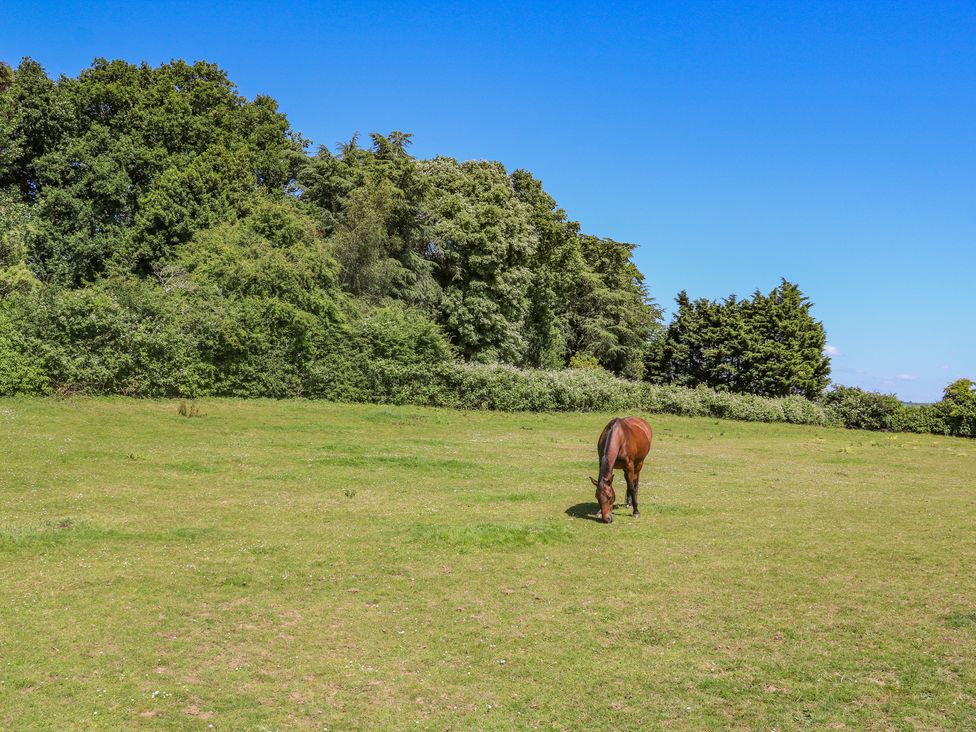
<point>303,565</point>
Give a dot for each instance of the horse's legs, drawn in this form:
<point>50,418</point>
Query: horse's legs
<point>631,487</point>
<point>637,471</point>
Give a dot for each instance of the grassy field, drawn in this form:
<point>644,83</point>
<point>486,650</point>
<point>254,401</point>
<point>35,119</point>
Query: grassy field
<point>293,565</point>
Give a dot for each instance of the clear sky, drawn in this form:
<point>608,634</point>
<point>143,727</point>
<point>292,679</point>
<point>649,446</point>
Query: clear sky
<point>831,143</point>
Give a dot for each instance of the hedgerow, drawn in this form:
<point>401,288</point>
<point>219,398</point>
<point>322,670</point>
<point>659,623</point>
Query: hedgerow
<point>137,338</point>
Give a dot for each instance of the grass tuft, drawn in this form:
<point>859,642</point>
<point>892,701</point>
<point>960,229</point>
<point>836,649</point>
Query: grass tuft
<point>189,409</point>
<point>965,620</point>
<point>40,536</point>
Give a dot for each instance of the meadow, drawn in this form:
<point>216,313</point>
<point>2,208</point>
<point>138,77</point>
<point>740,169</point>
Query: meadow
<point>274,565</point>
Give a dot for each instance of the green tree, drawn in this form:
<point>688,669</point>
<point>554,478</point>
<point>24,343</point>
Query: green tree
<point>275,252</point>
<point>6,76</point>
<point>86,153</point>
<point>958,407</point>
<point>785,353</point>
<point>481,241</point>
<point>770,345</point>
<point>371,201</point>
<point>14,227</point>
<point>557,268</point>
<point>217,186</point>
<point>610,313</point>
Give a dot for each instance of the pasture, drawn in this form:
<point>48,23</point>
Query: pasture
<point>302,565</point>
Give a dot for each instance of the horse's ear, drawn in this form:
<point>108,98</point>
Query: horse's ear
<point>594,482</point>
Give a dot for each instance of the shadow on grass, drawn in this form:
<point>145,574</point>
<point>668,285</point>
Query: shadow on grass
<point>589,511</point>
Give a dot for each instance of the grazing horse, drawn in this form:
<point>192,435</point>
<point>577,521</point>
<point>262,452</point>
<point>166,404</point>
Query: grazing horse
<point>624,443</point>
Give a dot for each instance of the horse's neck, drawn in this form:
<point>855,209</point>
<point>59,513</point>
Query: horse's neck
<point>610,449</point>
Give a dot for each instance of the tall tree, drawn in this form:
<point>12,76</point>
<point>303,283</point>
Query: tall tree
<point>770,345</point>
<point>557,267</point>
<point>611,315</point>
<point>14,228</point>
<point>480,240</point>
<point>785,354</point>
<point>371,202</point>
<point>86,152</point>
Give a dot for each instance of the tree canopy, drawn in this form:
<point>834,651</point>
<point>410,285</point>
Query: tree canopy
<point>769,345</point>
<point>148,202</point>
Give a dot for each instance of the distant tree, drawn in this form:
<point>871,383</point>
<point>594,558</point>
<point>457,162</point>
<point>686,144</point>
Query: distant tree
<point>961,392</point>
<point>958,407</point>
<point>785,345</point>
<point>6,76</point>
<point>133,193</point>
<point>371,202</point>
<point>557,267</point>
<point>216,186</point>
<point>371,257</point>
<point>769,345</point>
<point>706,343</point>
<point>274,252</point>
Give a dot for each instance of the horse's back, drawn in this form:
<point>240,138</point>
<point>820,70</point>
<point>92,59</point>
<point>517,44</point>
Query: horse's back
<point>637,436</point>
<point>640,436</point>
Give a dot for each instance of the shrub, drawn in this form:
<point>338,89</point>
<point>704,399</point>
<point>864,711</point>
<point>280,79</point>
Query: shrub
<point>395,332</point>
<point>138,338</point>
<point>922,418</point>
<point>21,372</point>
<point>958,408</point>
<point>583,361</point>
<point>860,409</point>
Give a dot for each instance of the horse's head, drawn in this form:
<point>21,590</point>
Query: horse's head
<point>605,496</point>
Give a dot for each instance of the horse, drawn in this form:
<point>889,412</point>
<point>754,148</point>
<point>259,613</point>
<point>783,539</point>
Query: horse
<point>624,443</point>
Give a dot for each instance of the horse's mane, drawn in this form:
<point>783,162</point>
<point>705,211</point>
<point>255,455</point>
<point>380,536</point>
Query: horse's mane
<point>604,459</point>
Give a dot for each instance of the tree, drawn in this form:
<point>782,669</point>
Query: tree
<point>556,267</point>
<point>275,252</point>
<point>769,345</point>
<point>785,352</point>
<point>371,202</point>
<point>131,194</point>
<point>217,186</point>
<point>6,76</point>
<point>611,316</point>
<point>480,241</point>
<point>14,228</point>
<point>87,153</point>
<point>958,407</point>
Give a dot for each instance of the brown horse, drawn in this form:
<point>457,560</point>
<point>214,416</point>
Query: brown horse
<point>624,443</point>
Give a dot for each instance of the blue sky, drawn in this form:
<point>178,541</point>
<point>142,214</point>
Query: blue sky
<point>830,143</point>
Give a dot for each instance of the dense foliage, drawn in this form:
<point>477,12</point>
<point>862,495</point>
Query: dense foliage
<point>769,345</point>
<point>159,181</point>
<point>161,235</point>
<point>955,414</point>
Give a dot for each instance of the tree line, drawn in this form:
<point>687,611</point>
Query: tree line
<point>160,234</point>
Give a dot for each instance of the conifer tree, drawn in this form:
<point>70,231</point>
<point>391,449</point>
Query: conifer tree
<point>770,345</point>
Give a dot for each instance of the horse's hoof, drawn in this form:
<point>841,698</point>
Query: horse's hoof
<point>636,514</point>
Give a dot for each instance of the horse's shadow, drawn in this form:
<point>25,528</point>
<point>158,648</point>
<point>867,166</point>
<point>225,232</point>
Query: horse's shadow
<point>589,511</point>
